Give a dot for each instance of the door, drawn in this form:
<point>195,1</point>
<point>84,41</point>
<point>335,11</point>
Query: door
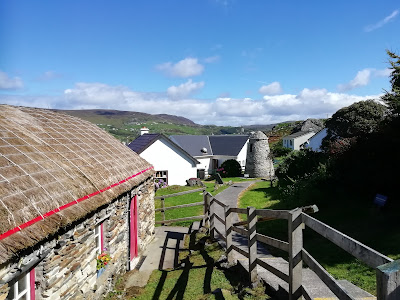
<point>133,229</point>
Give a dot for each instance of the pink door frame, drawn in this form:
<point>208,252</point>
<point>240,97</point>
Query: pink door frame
<point>32,284</point>
<point>133,228</point>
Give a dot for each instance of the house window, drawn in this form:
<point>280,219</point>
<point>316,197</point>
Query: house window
<point>162,175</point>
<point>251,147</point>
<point>99,238</point>
<point>291,143</point>
<point>23,288</point>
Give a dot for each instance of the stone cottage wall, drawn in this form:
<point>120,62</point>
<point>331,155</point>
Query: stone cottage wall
<point>68,269</point>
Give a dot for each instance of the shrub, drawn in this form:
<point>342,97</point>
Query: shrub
<point>230,168</point>
<point>278,150</point>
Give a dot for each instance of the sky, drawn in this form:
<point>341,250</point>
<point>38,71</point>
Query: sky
<point>222,62</point>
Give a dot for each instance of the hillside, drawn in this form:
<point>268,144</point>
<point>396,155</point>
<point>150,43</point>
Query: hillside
<point>125,125</point>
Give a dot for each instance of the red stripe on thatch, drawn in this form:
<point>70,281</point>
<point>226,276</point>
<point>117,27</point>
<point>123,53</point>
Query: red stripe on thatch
<point>52,212</point>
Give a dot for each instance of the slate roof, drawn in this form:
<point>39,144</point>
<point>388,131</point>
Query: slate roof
<point>229,145</point>
<point>144,141</point>
<point>193,144</point>
<point>297,134</point>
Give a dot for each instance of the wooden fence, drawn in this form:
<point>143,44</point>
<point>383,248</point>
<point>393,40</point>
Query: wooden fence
<point>387,270</point>
<point>163,208</point>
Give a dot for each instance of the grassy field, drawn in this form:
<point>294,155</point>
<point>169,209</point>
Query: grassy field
<point>200,277</point>
<point>348,213</point>
<point>184,199</point>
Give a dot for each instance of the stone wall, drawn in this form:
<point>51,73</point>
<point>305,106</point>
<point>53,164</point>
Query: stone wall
<point>259,162</point>
<point>65,265</point>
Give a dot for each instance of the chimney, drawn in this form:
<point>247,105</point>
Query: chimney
<point>144,130</point>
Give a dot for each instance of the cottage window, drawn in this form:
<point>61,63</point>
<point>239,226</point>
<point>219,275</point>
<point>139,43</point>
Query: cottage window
<point>251,147</point>
<point>162,175</point>
<point>291,143</point>
<point>23,288</point>
<point>99,238</point>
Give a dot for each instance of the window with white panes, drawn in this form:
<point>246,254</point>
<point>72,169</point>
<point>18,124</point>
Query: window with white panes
<point>98,235</point>
<point>21,289</point>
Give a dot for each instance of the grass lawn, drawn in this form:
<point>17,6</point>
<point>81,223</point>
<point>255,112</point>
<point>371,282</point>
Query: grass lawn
<point>198,278</point>
<point>351,214</point>
<point>184,199</point>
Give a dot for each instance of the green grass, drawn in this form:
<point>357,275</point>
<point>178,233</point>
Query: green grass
<point>348,213</point>
<point>184,199</point>
<point>200,275</point>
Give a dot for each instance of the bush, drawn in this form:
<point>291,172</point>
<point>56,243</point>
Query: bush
<point>299,165</point>
<point>278,150</point>
<point>230,168</point>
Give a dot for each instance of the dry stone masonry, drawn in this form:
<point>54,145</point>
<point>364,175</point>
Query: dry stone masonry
<point>259,162</point>
<point>65,264</point>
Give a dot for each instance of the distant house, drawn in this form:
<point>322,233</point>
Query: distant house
<point>69,191</point>
<point>211,151</point>
<point>295,140</point>
<point>315,141</point>
<point>171,163</point>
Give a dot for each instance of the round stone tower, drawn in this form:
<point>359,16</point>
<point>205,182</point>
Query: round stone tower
<point>259,162</point>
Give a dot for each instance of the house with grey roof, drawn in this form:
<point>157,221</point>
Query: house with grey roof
<point>212,150</point>
<point>314,143</point>
<point>295,140</point>
<point>172,164</point>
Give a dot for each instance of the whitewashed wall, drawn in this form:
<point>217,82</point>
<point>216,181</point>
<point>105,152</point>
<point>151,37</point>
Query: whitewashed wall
<point>301,140</point>
<point>316,141</point>
<point>296,142</point>
<point>205,163</point>
<point>163,157</point>
<point>241,158</point>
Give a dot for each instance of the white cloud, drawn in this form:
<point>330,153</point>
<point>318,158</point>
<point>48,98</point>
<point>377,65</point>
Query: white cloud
<point>212,59</point>
<point>308,103</point>
<point>187,67</point>
<point>363,78</point>
<point>7,83</point>
<point>185,89</point>
<point>383,22</point>
<point>273,88</point>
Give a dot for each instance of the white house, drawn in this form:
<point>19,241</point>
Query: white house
<point>315,141</point>
<point>295,140</point>
<point>171,163</point>
<point>211,151</point>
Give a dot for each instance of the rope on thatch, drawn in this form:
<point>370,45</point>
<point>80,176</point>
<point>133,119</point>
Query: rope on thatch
<point>58,209</point>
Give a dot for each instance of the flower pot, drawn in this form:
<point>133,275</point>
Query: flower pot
<point>100,271</point>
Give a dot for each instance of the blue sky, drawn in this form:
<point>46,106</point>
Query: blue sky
<point>223,62</point>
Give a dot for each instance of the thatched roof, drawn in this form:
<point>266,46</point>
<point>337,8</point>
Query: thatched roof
<point>48,160</point>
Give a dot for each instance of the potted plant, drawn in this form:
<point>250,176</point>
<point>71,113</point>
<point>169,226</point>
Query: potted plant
<point>102,261</point>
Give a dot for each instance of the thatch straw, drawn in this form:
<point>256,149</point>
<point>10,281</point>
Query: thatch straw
<point>47,160</point>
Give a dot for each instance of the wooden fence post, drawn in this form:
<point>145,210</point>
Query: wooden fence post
<point>211,213</point>
<point>228,232</point>
<point>295,225</point>
<point>206,208</point>
<point>388,281</point>
<point>163,210</point>
<point>252,242</point>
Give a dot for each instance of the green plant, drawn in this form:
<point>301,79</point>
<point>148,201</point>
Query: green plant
<point>102,260</point>
<point>230,168</point>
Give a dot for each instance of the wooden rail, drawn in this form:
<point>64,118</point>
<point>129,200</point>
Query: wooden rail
<point>388,280</point>
<point>163,208</point>
<point>364,253</point>
<point>388,271</point>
